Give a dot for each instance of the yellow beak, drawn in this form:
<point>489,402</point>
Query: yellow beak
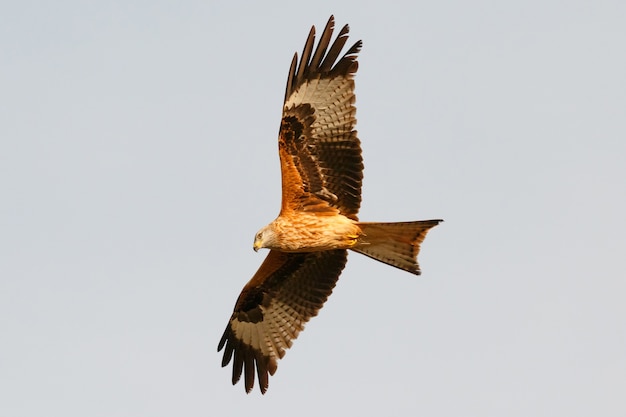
<point>256,246</point>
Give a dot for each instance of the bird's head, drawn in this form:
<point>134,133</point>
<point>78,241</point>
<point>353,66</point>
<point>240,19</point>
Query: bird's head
<point>265,238</point>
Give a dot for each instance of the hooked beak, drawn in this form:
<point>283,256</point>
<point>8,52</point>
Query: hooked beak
<point>256,246</point>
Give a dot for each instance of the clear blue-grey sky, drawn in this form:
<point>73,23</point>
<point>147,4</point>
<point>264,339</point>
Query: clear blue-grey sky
<point>138,158</point>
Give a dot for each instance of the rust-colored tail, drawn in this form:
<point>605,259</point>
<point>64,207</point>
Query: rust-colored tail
<point>396,244</point>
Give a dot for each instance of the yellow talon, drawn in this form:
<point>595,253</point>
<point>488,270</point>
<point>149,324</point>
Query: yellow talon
<point>352,239</point>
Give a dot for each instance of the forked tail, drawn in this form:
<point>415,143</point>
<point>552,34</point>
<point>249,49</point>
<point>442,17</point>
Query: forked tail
<point>396,244</point>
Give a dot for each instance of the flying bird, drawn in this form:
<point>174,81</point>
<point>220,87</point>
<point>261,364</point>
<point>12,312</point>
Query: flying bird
<point>321,172</point>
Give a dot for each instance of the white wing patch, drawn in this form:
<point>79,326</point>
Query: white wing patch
<point>332,99</point>
<point>275,334</point>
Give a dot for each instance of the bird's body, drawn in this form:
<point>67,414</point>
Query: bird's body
<point>312,232</point>
<point>322,173</point>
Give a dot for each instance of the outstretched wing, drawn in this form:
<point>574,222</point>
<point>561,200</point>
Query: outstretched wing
<point>287,290</point>
<point>320,154</point>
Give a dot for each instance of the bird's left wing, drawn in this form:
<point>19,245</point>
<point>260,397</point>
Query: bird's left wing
<point>287,290</point>
<point>320,153</point>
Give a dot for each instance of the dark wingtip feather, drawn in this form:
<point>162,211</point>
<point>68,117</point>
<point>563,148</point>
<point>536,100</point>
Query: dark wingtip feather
<point>246,361</point>
<point>323,43</point>
<point>292,74</point>
<point>323,62</point>
<point>306,55</point>
<point>237,367</point>
<point>248,367</point>
<point>262,373</point>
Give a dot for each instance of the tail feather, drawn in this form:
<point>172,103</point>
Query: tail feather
<point>396,244</point>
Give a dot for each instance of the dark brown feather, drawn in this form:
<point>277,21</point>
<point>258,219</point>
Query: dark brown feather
<point>306,54</point>
<point>323,44</point>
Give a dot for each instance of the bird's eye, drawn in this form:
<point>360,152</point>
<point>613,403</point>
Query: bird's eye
<point>259,235</point>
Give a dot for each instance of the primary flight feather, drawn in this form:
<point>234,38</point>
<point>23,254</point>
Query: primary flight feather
<point>321,172</point>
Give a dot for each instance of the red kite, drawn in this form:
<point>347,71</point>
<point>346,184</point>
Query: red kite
<point>322,171</point>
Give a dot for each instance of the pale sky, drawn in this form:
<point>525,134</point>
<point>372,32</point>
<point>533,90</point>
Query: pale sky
<point>138,157</point>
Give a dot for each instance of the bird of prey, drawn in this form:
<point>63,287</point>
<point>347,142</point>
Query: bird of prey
<point>321,171</point>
